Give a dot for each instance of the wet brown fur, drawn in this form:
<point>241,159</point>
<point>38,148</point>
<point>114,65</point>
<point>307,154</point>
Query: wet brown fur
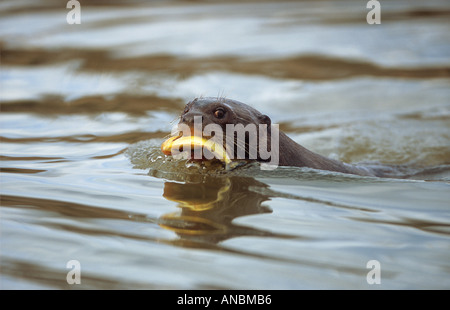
<point>290,152</point>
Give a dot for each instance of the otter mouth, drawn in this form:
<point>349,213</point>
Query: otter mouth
<point>194,147</point>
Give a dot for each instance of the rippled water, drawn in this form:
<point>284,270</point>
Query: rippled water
<point>85,107</point>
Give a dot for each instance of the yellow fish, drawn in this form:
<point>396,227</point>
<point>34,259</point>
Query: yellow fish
<point>180,142</point>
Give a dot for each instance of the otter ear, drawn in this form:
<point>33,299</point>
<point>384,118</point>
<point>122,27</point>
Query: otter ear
<point>264,119</point>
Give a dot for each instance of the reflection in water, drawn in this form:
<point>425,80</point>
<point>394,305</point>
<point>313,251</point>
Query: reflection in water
<point>208,208</point>
<point>77,100</point>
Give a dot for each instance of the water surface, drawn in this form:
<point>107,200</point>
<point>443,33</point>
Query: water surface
<point>85,107</point>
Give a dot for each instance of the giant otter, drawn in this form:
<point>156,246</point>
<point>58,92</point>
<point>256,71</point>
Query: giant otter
<point>221,112</point>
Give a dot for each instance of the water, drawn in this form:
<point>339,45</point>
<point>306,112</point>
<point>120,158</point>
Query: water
<point>85,107</point>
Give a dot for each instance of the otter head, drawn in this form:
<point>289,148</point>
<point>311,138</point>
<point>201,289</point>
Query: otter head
<point>222,112</point>
<point>241,131</point>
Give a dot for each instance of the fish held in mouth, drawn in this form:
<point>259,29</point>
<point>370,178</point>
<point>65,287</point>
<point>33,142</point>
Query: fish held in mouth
<point>190,144</point>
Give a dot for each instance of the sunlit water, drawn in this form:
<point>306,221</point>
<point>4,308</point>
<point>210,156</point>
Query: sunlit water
<point>85,108</point>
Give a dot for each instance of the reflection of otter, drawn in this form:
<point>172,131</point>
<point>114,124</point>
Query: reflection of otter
<point>221,111</point>
<point>209,207</point>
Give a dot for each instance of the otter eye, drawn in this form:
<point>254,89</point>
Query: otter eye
<point>219,113</point>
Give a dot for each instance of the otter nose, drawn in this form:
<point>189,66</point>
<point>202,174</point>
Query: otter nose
<point>192,118</point>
